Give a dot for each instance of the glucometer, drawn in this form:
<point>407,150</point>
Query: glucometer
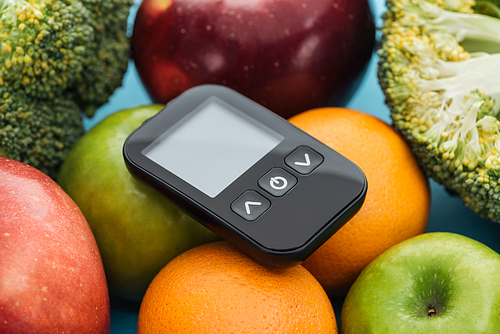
<point>247,174</point>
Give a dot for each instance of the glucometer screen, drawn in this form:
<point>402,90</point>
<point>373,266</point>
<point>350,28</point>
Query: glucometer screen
<point>212,146</point>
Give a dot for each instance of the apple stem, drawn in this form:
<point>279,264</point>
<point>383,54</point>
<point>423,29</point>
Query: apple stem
<point>431,311</point>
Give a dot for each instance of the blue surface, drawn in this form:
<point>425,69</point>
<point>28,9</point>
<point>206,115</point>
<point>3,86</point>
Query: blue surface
<point>447,212</point>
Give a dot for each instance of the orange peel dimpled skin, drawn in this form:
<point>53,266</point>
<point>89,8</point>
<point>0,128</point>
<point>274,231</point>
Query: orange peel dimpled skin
<point>214,288</point>
<point>397,203</point>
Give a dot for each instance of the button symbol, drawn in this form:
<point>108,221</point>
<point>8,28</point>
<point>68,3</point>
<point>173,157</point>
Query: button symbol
<point>307,163</point>
<point>247,206</point>
<point>304,160</point>
<point>250,205</point>
<point>278,182</point>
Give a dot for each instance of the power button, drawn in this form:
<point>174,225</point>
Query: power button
<point>277,182</point>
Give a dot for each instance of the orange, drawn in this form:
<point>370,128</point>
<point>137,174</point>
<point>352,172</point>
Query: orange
<point>397,203</point>
<point>214,288</point>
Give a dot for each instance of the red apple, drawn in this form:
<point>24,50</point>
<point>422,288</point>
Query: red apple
<point>51,274</point>
<point>287,55</point>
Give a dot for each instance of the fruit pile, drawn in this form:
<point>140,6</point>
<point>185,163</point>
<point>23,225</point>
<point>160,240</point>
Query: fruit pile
<point>228,288</point>
<point>67,245</point>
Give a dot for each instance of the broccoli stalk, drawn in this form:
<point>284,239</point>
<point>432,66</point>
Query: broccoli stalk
<point>464,123</point>
<point>439,68</point>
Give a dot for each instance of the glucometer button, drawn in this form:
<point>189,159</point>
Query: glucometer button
<point>304,160</point>
<point>250,205</point>
<point>277,182</point>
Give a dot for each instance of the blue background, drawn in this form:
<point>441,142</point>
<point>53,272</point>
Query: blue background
<point>447,212</point>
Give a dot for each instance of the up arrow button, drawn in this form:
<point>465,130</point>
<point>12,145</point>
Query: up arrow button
<point>247,206</point>
<point>250,205</point>
<point>304,160</point>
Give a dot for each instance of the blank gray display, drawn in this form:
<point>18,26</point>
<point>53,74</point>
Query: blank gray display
<point>212,146</point>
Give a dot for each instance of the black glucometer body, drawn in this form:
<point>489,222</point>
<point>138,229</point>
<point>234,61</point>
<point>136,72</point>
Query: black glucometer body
<point>247,174</point>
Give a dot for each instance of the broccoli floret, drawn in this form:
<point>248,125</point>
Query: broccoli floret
<point>43,45</point>
<point>439,68</point>
<point>36,131</point>
<point>54,55</point>
<point>103,74</point>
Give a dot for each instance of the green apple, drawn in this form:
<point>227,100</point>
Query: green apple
<point>138,230</point>
<point>432,283</point>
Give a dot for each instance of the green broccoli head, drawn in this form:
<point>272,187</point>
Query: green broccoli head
<point>43,45</point>
<point>56,53</point>
<point>439,68</point>
<point>103,73</point>
<point>38,132</point>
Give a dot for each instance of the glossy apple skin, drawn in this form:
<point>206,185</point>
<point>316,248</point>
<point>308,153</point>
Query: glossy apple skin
<point>287,55</point>
<point>51,275</point>
<point>432,283</point>
<point>137,228</point>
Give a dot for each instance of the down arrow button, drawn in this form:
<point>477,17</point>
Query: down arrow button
<point>304,160</point>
